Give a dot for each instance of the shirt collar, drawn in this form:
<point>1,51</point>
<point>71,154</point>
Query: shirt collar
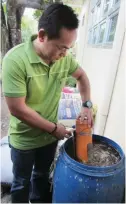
<point>32,55</point>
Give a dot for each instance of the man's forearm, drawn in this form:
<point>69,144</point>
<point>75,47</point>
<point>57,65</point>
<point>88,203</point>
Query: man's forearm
<point>84,87</point>
<point>33,119</point>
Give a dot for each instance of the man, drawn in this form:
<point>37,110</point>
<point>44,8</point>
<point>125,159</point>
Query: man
<point>33,76</point>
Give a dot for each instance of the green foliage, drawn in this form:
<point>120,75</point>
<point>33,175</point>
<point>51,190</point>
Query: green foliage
<point>26,28</point>
<point>26,34</point>
<point>94,110</point>
<point>5,10</point>
<point>77,10</point>
<point>80,2</point>
<point>46,1</point>
<point>25,22</point>
<point>37,14</point>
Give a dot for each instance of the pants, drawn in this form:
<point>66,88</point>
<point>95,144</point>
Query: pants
<point>31,174</point>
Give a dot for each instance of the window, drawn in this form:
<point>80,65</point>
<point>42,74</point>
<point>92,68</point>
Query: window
<point>92,17</point>
<point>103,21</point>
<point>83,20</point>
<point>102,32</point>
<point>90,37</point>
<point>117,1</point>
<point>90,21</point>
<point>113,22</point>
<point>94,35</point>
<point>95,16</point>
<point>98,12</point>
<point>106,6</point>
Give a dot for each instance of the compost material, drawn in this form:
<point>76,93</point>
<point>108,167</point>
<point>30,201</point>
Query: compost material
<point>99,154</point>
<point>102,154</point>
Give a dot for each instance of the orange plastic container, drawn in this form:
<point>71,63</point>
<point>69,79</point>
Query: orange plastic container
<point>83,138</point>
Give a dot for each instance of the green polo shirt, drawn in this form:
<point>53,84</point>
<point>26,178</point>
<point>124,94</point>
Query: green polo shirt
<point>25,74</point>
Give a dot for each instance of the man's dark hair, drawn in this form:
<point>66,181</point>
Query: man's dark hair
<point>55,17</point>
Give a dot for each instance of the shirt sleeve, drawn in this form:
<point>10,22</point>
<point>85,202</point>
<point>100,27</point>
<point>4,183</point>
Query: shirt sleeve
<point>13,79</point>
<point>73,65</point>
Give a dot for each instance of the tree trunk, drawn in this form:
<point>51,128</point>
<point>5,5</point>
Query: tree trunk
<point>14,15</point>
<point>5,44</point>
<point>11,31</point>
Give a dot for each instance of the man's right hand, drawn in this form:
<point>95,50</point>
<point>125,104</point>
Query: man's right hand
<point>61,132</point>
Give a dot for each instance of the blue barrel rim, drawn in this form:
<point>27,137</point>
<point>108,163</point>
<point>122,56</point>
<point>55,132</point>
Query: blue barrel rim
<point>94,170</point>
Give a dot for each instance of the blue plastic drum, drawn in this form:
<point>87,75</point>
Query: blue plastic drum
<point>75,182</point>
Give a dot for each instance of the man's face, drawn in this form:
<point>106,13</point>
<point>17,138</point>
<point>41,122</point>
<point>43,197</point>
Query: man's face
<point>55,49</point>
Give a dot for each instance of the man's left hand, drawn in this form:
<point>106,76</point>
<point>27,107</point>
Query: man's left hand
<point>86,114</point>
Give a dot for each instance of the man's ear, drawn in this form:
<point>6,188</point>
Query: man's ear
<point>41,35</point>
